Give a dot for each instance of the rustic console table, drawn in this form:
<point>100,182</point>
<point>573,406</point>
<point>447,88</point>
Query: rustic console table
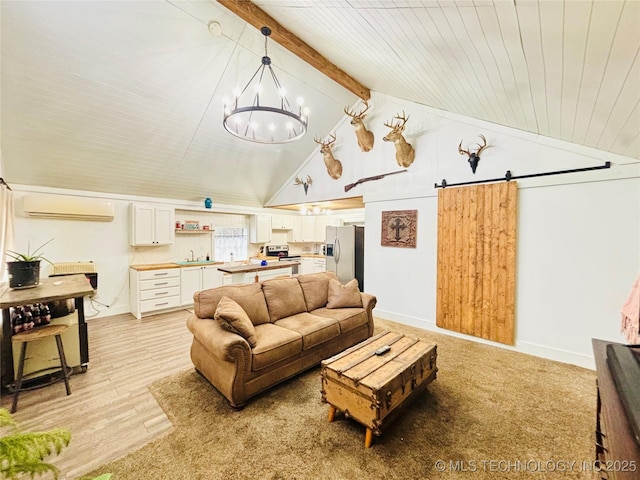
<point>49,290</point>
<point>616,447</point>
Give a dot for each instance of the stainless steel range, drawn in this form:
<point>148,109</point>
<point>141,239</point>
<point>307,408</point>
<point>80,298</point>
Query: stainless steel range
<point>282,252</point>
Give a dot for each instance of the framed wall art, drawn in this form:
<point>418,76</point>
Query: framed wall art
<point>399,228</point>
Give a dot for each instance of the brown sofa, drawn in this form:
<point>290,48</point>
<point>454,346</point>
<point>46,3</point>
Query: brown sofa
<point>295,329</point>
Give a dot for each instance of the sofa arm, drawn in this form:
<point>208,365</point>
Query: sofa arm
<point>225,345</point>
<point>368,302</point>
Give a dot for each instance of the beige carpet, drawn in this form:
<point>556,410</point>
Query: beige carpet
<point>491,412</point>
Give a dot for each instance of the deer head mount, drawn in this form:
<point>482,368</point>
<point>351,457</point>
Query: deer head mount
<point>305,184</point>
<point>474,157</point>
<point>334,166</point>
<point>364,136</point>
<point>405,154</point>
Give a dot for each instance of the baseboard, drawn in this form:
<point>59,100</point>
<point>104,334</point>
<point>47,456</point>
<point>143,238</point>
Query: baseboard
<point>102,311</point>
<point>551,353</point>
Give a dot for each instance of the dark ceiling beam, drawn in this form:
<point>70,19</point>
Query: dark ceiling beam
<point>257,17</point>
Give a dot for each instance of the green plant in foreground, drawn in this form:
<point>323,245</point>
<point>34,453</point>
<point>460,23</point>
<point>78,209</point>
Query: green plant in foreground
<point>29,257</point>
<point>24,452</point>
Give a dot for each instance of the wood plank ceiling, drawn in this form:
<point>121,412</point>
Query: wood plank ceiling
<point>126,97</point>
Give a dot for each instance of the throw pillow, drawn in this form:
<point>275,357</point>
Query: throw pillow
<point>344,296</point>
<point>232,317</point>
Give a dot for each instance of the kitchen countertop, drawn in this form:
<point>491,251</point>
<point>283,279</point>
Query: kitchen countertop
<point>258,268</point>
<point>273,263</point>
<point>161,266</point>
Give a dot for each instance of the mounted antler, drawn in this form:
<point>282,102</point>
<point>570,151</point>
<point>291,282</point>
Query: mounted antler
<point>306,184</point>
<point>334,166</point>
<point>405,154</point>
<point>474,157</point>
<point>364,136</point>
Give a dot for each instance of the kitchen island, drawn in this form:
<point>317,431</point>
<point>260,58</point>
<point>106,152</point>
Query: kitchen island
<point>256,272</point>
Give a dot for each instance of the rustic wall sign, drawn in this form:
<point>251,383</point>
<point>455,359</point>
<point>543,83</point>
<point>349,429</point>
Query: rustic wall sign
<point>399,228</point>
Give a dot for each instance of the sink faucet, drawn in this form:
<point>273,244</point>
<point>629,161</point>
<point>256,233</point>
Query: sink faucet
<point>191,255</point>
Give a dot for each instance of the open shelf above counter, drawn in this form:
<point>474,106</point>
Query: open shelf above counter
<point>184,230</point>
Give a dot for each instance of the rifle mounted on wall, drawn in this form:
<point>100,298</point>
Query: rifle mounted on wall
<point>368,179</point>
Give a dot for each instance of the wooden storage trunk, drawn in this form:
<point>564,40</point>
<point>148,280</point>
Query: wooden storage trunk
<point>371,388</point>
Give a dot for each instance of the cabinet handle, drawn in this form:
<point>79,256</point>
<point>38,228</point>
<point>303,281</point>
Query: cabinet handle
<point>161,283</point>
<point>160,274</point>
<point>163,303</point>
<point>161,293</point>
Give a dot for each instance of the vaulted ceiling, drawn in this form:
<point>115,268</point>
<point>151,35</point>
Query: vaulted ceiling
<point>127,96</point>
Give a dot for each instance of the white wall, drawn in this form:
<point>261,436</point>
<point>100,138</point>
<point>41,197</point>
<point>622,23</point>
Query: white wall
<point>107,243</point>
<point>578,245</point>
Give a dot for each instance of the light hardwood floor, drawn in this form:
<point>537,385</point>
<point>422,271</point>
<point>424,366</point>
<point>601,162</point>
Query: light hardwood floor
<point>110,411</point>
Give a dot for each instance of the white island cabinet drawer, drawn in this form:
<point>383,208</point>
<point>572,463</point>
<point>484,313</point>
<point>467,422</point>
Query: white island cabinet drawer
<point>155,274</point>
<point>160,303</point>
<point>159,293</point>
<point>160,283</point>
<point>151,290</point>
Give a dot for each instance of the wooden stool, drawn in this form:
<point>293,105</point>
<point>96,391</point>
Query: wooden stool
<point>37,334</point>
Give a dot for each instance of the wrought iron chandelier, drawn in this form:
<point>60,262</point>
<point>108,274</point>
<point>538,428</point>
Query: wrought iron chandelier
<point>249,116</point>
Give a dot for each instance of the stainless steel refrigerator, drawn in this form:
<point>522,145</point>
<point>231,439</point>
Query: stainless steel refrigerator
<point>345,253</point>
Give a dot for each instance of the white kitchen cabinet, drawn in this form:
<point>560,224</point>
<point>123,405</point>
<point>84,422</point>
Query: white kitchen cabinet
<point>319,265</point>
<point>190,282</point>
<point>308,229</point>
<point>296,232</point>
<point>282,222</point>
<point>151,225</point>
<point>306,265</point>
<point>195,279</point>
<point>151,290</point>
<point>260,228</point>
<point>321,228</point>
<point>211,277</point>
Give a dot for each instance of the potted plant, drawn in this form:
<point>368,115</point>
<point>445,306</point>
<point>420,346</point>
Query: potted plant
<point>24,271</point>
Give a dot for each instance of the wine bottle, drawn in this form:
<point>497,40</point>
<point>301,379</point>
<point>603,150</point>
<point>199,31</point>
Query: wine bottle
<point>45,314</point>
<point>37,319</point>
<point>17,320</point>
<point>28,318</point>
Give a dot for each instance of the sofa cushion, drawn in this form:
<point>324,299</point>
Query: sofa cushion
<point>344,296</point>
<point>274,343</point>
<point>284,297</point>
<point>313,328</point>
<point>232,317</point>
<point>249,297</point>
<point>347,318</point>
<point>315,287</point>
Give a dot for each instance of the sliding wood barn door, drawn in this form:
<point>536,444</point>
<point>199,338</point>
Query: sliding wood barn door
<point>476,260</point>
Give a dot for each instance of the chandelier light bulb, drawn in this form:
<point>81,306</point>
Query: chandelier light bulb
<point>300,101</point>
<point>282,91</point>
<point>237,92</point>
<point>254,125</point>
<point>272,127</point>
<point>306,111</point>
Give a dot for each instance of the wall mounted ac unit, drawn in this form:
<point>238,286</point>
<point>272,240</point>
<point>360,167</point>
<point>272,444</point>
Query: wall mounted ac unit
<point>68,208</point>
